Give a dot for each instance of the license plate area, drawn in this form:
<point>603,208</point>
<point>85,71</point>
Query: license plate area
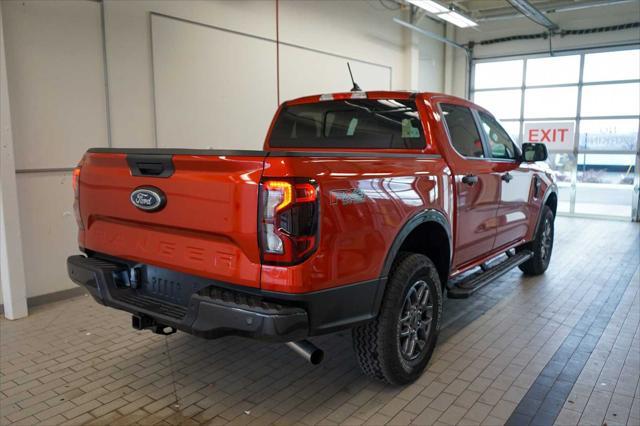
<point>168,286</point>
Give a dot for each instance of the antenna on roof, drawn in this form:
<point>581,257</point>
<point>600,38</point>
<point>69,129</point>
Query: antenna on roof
<point>355,87</point>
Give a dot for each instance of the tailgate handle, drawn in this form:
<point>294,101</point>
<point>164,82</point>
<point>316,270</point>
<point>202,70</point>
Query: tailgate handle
<point>153,169</point>
<point>150,165</point>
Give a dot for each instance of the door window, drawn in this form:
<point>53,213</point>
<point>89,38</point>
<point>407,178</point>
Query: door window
<point>500,143</point>
<point>462,130</point>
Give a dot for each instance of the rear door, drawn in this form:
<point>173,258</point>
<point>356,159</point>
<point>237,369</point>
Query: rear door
<point>515,182</point>
<point>477,186</point>
<point>206,226</point>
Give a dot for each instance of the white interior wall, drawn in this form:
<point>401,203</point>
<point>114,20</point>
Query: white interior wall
<point>577,19</point>
<point>431,57</point>
<point>203,101</point>
<point>57,92</point>
<point>72,85</point>
<point>129,55</point>
<point>354,29</point>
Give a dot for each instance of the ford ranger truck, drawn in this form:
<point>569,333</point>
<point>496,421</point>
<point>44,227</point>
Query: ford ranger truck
<point>362,211</point>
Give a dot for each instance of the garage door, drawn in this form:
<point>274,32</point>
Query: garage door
<point>585,106</point>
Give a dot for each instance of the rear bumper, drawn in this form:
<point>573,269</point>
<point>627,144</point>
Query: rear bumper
<point>212,309</point>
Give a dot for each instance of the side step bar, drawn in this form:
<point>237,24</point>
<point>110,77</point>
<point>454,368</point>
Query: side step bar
<point>466,286</point>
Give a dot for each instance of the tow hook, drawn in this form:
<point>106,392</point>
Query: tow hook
<point>307,350</point>
<point>144,322</point>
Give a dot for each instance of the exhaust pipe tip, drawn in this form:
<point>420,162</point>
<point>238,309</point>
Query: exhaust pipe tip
<point>316,356</point>
<point>313,354</point>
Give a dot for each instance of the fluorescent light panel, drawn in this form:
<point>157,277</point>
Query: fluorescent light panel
<point>429,5</point>
<point>457,19</point>
<point>443,13</point>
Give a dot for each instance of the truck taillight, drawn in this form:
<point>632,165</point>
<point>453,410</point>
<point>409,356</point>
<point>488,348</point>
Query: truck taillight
<point>75,182</point>
<point>288,220</point>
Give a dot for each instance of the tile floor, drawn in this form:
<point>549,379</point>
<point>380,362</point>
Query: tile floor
<point>563,348</point>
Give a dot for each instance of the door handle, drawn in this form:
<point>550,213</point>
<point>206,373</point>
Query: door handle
<point>470,179</point>
<point>507,177</point>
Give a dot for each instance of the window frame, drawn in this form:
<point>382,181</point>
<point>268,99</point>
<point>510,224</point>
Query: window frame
<point>516,149</point>
<point>475,122</point>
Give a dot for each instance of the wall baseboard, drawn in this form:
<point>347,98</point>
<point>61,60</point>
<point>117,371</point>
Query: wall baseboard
<point>51,297</point>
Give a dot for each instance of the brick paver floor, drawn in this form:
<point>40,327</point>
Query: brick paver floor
<point>561,348</point>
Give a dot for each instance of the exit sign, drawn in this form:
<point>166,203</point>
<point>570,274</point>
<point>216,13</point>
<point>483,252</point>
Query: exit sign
<point>557,135</point>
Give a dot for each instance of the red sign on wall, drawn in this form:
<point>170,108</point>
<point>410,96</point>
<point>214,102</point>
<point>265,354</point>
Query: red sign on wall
<point>557,135</point>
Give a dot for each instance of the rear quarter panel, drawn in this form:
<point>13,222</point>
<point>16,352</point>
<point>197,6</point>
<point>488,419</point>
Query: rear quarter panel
<point>364,202</point>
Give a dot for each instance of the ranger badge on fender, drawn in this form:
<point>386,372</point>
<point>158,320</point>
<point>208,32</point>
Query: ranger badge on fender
<point>347,196</point>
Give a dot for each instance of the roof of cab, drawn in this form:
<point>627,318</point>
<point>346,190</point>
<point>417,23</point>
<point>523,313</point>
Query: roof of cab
<point>376,94</point>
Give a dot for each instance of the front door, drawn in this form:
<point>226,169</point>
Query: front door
<point>477,187</point>
<point>515,182</point>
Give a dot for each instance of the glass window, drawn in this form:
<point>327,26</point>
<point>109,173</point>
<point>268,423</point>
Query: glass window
<point>564,198</point>
<point>513,128</point>
<point>606,168</point>
<point>500,145</point>
<point>504,104</point>
<point>613,135</point>
<point>488,75</point>
<point>353,123</point>
<point>609,66</point>
<point>462,130</point>
<point>551,102</point>
<point>611,99</point>
<point>563,164</point>
<point>604,200</point>
<point>553,70</point>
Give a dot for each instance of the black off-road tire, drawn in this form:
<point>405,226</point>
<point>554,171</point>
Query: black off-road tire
<point>377,344</point>
<point>541,246</point>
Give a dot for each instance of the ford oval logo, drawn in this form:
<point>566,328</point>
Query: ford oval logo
<point>148,198</point>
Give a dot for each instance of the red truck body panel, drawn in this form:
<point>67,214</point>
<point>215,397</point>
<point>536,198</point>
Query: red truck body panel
<point>355,238</point>
<point>208,227</point>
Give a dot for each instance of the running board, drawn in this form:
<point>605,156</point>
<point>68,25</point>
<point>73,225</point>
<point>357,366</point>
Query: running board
<point>466,286</point>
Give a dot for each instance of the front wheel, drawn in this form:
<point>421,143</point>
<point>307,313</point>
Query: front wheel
<point>398,344</point>
<point>542,245</point>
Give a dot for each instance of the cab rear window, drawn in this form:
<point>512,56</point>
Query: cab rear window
<point>350,123</point>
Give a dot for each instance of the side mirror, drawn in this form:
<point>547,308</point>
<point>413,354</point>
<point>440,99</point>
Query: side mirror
<point>532,152</point>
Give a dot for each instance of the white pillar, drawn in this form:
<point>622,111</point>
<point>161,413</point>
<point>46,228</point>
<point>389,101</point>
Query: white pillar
<point>12,279</point>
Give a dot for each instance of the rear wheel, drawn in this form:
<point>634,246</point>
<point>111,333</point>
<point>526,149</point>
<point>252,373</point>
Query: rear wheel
<point>541,246</point>
<point>398,344</point>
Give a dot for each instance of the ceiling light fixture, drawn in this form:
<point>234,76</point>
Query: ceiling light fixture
<point>457,19</point>
<point>429,5</point>
<point>441,12</point>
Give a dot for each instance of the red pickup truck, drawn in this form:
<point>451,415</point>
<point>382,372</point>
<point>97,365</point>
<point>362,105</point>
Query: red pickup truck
<point>363,211</point>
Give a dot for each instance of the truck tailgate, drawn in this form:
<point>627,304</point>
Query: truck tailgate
<point>207,227</point>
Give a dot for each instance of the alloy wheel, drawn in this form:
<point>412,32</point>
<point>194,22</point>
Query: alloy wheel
<point>416,317</point>
<point>547,238</point>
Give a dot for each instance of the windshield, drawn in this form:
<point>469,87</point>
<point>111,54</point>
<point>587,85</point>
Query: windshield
<point>349,123</point>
